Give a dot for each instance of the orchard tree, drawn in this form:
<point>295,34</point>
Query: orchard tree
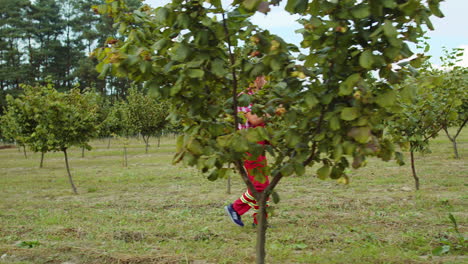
<point>10,128</point>
<point>147,115</point>
<point>21,118</point>
<point>421,116</point>
<point>119,124</point>
<point>452,93</point>
<point>54,121</point>
<point>200,57</point>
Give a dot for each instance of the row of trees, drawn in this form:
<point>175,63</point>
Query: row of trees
<point>431,101</point>
<point>54,38</point>
<point>198,56</point>
<point>45,119</point>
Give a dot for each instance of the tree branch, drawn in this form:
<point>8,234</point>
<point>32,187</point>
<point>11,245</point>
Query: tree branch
<point>314,145</point>
<point>245,178</point>
<point>234,76</point>
<point>461,127</point>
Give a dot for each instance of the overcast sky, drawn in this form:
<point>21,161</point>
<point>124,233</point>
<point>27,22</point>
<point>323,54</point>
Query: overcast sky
<point>450,31</point>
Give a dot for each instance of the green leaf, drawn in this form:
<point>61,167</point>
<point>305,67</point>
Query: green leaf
<point>299,169</point>
<point>311,100</point>
<point>275,197</point>
<point>244,100</point>
<point>361,11</point>
<point>399,158</point>
<point>296,6</point>
<point>195,147</point>
<point>162,14</point>
<point>175,89</point>
<point>252,135</point>
<point>324,172</point>
<point>180,143</point>
<point>160,44</point>
<point>360,134</point>
<point>195,73</point>
<point>224,141</point>
<point>389,3</point>
<point>386,99</point>
<point>366,59</point>
<point>292,138</point>
<point>181,52</point>
<point>349,113</point>
<point>183,20</point>
<point>389,30</point>
<point>434,7</point>
<point>214,175</point>
<point>347,87</point>
<point>239,144</point>
<point>334,123</point>
<point>454,222</point>
<point>251,4</point>
<point>218,68</point>
<point>287,169</point>
<point>441,250</point>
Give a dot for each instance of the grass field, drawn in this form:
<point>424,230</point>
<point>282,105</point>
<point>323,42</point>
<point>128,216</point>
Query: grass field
<point>153,212</point>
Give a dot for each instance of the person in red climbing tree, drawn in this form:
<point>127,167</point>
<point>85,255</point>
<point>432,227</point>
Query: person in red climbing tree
<point>247,200</point>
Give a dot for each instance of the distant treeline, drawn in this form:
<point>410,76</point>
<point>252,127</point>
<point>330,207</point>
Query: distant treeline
<point>42,38</point>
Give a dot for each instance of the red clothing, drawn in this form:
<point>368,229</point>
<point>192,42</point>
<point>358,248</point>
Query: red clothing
<point>247,201</point>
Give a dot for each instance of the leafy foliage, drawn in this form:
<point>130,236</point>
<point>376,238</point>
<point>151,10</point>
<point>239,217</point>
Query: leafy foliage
<point>199,57</point>
<point>47,120</point>
<point>147,115</point>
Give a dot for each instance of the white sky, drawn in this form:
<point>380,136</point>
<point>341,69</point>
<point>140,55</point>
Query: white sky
<point>450,31</point>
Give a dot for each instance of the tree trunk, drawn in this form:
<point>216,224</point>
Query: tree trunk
<point>125,156</point>
<point>229,184</point>
<point>229,181</point>
<point>24,151</point>
<point>42,159</point>
<point>82,152</point>
<point>69,174</point>
<point>108,143</point>
<point>146,140</point>
<point>455,148</point>
<point>416,179</point>
<point>454,143</point>
<point>261,229</point>
<point>159,141</point>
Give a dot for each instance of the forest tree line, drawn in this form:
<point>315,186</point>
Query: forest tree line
<point>51,38</point>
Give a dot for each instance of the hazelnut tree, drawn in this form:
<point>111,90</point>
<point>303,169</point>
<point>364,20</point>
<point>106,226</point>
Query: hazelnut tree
<point>200,55</point>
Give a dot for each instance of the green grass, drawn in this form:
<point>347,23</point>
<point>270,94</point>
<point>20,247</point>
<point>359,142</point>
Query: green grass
<point>153,212</point>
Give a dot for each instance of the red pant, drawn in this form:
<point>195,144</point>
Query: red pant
<point>247,201</point>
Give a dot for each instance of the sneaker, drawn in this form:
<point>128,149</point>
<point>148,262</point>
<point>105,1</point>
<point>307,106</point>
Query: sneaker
<point>233,215</point>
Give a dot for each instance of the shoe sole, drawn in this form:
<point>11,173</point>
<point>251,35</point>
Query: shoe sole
<point>229,216</point>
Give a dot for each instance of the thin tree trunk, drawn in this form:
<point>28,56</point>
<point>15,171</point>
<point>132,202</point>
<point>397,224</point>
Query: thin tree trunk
<point>146,140</point>
<point>159,141</point>
<point>229,181</point>
<point>454,143</point>
<point>82,151</point>
<point>455,148</point>
<point>108,143</point>
<point>416,179</point>
<point>68,170</point>
<point>261,229</point>
<point>24,151</point>
<point>125,156</point>
<point>42,159</point>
